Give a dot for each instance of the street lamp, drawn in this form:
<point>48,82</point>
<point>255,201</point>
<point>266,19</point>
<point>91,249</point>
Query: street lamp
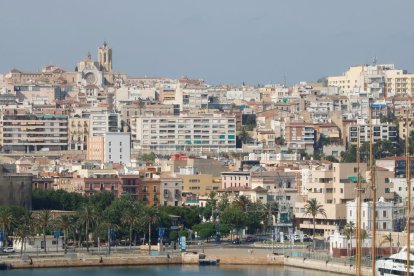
<point>218,229</point>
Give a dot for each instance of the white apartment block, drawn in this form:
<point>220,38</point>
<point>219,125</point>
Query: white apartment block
<point>381,132</point>
<point>102,122</point>
<point>198,133</point>
<point>117,147</point>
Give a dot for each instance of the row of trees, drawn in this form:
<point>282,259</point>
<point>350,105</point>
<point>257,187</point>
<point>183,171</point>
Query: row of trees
<point>101,214</point>
<point>123,216</point>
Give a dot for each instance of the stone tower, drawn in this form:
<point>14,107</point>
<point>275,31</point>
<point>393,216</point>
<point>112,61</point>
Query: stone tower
<point>105,57</point>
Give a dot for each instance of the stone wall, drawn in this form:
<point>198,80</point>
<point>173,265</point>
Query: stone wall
<point>94,261</point>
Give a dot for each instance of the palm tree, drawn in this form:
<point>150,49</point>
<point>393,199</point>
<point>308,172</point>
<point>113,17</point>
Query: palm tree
<point>131,218</point>
<point>64,223</point>
<point>6,219</point>
<point>313,208</point>
<point>74,226</point>
<point>44,221</point>
<point>388,239</point>
<point>24,229</point>
<point>151,217</point>
<point>348,231</point>
<point>87,216</point>
<point>141,105</point>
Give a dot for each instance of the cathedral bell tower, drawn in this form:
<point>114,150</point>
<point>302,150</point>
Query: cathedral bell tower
<point>105,57</point>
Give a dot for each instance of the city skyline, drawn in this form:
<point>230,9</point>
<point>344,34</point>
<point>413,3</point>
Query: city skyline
<point>214,41</point>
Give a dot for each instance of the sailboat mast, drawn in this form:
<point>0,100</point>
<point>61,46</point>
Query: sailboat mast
<point>408,179</point>
<point>358,224</point>
<point>374,194</point>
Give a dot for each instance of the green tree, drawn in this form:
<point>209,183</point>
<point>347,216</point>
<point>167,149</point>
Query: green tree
<point>173,235</point>
<point>244,135</point>
<point>149,157</point>
<point>63,222</point>
<point>45,221</point>
<point>6,220</point>
<point>25,228</point>
<point>331,158</point>
<point>313,208</point>
<point>387,239</point>
<point>348,232</point>
<point>87,217</point>
<point>234,216</point>
<point>141,105</point>
<point>151,217</point>
<point>205,230</point>
<point>131,218</point>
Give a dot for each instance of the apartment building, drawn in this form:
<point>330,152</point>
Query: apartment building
<point>171,189</point>
<point>199,184</point>
<point>150,193</point>
<point>79,128</point>
<point>236,179</point>
<point>333,185</point>
<point>300,136</point>
<point>382,132</point>
<point>117,147</point>
<point>102,181</point>
<point>28,132</point>
<point>103,121</point>
<point>199,133</point>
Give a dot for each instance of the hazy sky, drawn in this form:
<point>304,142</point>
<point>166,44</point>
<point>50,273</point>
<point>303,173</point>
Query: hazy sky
<point>220,41</point>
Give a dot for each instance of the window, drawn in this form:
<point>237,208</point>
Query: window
<point>384,214</point>
<point>120,144</point>
<point>110,143</point>
<point>384,225</point>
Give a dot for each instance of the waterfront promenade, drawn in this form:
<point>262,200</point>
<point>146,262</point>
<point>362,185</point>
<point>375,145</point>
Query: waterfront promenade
<point>226,255</point>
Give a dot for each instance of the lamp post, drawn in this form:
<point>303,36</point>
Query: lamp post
<point>218,230</point>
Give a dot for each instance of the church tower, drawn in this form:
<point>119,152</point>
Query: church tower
<point>105,57</point>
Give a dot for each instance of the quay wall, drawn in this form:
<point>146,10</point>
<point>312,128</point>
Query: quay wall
<point>325,266</point>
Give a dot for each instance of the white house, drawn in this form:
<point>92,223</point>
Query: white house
<point>385,214</point>
<point>36,244</point>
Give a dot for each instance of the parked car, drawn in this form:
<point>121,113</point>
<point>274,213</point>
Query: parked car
<point>250,239</point>
<point>236,241</point>
<point>9,250</point>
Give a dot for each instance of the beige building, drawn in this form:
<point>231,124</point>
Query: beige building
<point>78,133</point>
<point>28,132</point>
<point>200,184</point>
<point>333,185</point>
<point>96,148</point>
<point>236,179</point>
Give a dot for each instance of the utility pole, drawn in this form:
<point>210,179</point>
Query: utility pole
<point>374,194</point>
<point>358,226</point>
<point>408,179</point>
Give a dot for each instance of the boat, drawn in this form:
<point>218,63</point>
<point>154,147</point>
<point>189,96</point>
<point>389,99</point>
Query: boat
<point>396,264</point>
